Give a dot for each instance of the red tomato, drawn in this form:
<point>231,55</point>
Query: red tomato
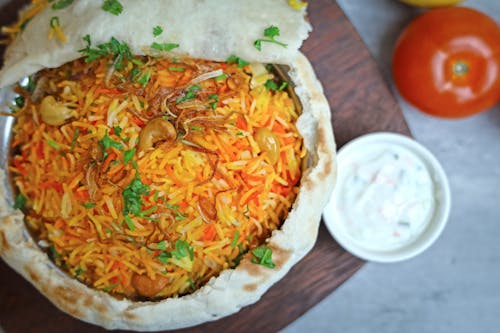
<point>447,62</point>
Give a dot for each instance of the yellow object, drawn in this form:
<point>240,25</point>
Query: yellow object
<point>431,3</point>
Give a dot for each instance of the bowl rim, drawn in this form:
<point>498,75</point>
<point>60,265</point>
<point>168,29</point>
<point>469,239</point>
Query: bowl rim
<point>434,227</point>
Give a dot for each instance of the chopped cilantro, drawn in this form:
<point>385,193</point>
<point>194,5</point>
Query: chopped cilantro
<point>237,60</point>
<point>61,4</point>
<point>196,128</point>
<point>128,155</point>
<point>89,205</point>
<point>163,257</point>
<point>132,202</point>
<point>117,130</point>
<point>75,137</point>
<point>176,69</point>
<point>162,245</point>
<point>182,250</point>
<point>79,271</point>
<point>54,252</point>
<point>130,223</point>
<point>53,144</point>
<point>54,22</point>
<point>191,283</point>
<point>144,79</point>
<point>271,85</point>
<point>164,46</point>
<point>110,287</point>
<point>269,32</point>
<point>235,239</point>
<point>189,94</point>
<point>112,6</point>
<point>263,256</point>
<point>240,133</point>
<point>106,142</point>
<point>157,31</point>
<point>20,202</point>
<point>221,77</point>
<point>119,50</point>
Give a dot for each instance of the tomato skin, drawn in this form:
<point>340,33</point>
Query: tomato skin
<point>447,62</point>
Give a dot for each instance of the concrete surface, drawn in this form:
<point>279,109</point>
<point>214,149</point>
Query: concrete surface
<point>455,285</point>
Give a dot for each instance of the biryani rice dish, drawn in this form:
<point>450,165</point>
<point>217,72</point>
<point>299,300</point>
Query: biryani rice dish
<point>147,180</point>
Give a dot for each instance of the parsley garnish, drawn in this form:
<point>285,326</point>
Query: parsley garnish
<point>163,257</point>
<point>221,77</point>
<point>215,99</point>
<point>53,144</point>
<point>235,239</point>
<point>183,249</point>
<point>237,60</point>
<point>132,202</point>
<point>54,22</point>
<point>89,205</point>
<point>106,142</point>
<point>75,137</point>
<point>176,69</point>
<point>164,46</point>
<point>130,223</point>
<point>271,85</point>
<point>179,216</point>
<point>112,6</point>
<point>119,51</point>
<point>144,79</point>
<point>61,4</point>
<point>270,32</point>
<point>110,287</point>
<point>128,155</point>
<point>189,94</point>
<point>263,256</point>
<point>117,130</point>
<point>162,245</point>
<point>157,31</point>
<point>20,202</point>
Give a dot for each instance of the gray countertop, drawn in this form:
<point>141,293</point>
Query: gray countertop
<point>455,285</point>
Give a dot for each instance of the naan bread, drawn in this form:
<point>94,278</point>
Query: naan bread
<point>233,288</point>
<point>205,29</point>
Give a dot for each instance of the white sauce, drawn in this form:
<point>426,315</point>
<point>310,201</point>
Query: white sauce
<point>384,196</point>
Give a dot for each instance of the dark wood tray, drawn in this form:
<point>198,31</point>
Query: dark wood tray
<point>361,102</point>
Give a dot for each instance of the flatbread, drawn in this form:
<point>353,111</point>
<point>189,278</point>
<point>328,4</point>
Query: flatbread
<point>205,29</point>
<point>233,288</point>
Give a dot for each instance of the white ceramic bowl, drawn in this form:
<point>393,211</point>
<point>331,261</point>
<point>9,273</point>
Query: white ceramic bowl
<point>436,223</point>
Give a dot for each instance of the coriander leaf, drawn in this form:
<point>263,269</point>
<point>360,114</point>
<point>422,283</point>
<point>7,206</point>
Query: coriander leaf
<point>128,155</point>
<point>157,31</point>
<point>20,202</point>
<point>189,94</point>
<point>110,287</point>
<point>271,85</point>
<point>89,205</point>
<point>263,256</point>
<point>164,256</point>
<point>162,245</point>
<point>120,51</point>
<point>182,250</point>
<point>144,79</point>
<point>164,46</point>
<point>54,252</point>
<point>130,223</point>
<point>117,130</point>
<point>54,22</point>
<point>75,137</point>
<point>283,85</point>
<point>235,239</point>
<point>270,32</point>
<point>53,144</point>
<point>176,69</point>
<point>221,77</point>
<point>61,4</point>
<point>112,6</point>
<point>132,201</point>
<point>106,142</point>
<point>237,60</point>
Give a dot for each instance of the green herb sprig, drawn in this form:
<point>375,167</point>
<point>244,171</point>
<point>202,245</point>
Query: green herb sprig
<point>270,32</point>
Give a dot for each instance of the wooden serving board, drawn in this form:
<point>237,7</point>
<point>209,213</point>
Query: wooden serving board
<point>361,102</point>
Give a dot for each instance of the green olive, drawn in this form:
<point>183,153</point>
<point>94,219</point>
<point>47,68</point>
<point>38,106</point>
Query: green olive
<point>269,143</point>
